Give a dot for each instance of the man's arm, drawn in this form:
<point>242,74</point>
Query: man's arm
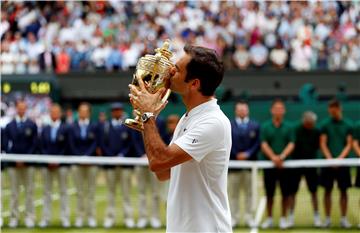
<point>287,151</point>
<point>356,147</point>
<point>270,154</point>
<point>323,146</point>
<point>345,152</point>
<point>161,157</point>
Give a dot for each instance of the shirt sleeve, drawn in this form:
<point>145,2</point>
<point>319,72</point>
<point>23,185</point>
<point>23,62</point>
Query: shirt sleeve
<point>201,139</point>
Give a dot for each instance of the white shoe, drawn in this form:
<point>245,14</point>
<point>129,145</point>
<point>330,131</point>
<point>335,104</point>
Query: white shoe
<point>13,223</point>
<point>79,222</point>
<point>268,223</point>
<point>359,226</point>
<point>29,223</point>
<point>250,223</point>
<point>327,223</point>
<point>142,222</point>
<point>155,223</point>
<point>92,222</point>
<point>290,221</point>
<point>129,223</point>
<point>43,223</point>
<point>108,222</point>
<point>344,223</point>
<point>317,221</point>
<point>283,224</point>
<point>65,223</point>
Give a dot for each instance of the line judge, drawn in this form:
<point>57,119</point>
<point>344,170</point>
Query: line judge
<point>196,160</point>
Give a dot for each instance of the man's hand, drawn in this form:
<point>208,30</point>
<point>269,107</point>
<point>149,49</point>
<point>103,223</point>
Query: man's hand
<point>277,161</point>
<point>20,164</point>
<point>242,156</point>
<point>144,101</point>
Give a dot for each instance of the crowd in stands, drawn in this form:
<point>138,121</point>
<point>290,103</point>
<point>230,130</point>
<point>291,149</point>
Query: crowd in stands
<point>64,36</point>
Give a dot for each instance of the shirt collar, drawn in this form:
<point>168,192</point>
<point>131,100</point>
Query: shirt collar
<point>116,122</point>
<point>208,104</point>
<point>55,124</point>
<point>242,121</point>
<point>84,122</point>
<point>18,119</point>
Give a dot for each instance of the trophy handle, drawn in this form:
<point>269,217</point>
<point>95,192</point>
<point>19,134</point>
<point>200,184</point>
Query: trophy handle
<point>166,96</point>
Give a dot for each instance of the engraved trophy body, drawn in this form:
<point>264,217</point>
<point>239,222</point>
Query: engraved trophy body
<point>154,71</point>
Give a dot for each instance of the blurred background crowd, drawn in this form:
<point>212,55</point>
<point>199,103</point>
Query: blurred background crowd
<point>61,37</point>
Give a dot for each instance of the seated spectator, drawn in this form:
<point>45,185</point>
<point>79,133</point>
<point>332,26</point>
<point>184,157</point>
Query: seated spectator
<point>241,57</point>
<point>258,54</point>
<point>63,62</point>
<point>300,56</point>
<point>114,60</point>
<point>47,61</point>
<point>99,56</point>
<point>33,66</point>
<point>279,56</point>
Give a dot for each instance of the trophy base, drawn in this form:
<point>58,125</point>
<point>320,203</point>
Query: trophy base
<point>134,124</point>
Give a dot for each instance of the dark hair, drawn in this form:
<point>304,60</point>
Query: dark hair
<point>277,100</point>
<point>206,66</point>
<point>240,102</point>
<point>334,103</point>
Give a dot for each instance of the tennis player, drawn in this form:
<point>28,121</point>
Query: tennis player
<point>196,160</point>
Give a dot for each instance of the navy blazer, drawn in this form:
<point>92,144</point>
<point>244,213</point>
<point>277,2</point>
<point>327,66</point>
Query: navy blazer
<point>114,141</point>
<point>83,146</point>
<point>137,139</point>
<point>57,147</point>
<point>245,140</point>
<point>20,140</point>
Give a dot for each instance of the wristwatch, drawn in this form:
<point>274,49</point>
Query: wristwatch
<point>146,116</point>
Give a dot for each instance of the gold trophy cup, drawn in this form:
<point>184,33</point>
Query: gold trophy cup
<point>154,70</point>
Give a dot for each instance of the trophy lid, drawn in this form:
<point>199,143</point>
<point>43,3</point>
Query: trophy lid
<point>164,50</point>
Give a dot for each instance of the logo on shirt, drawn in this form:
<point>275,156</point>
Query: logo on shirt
<point>184,130</point>
<point>194,141</point>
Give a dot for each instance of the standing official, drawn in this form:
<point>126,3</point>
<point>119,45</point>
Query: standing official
<point>307,138</point>
<point>277,143</point>
<point>83,141</point>
<point>114,140</point>
<point>245,135</point>
<point>54,141</point>
<point>336,142</point>
<point>21,138</point>
<point>147,181</point>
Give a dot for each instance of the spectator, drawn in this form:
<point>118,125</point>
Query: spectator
<point>114,60</point>
<point>307,138</point>
<point>245,145</point>
<point>279,56</point>
<point>277,143</point>
<point>335,142</point>
<point>241,57</point>
<point>47,61</point>
<point>300,56</point>
<point>63,62</point>
<point>258,54</point>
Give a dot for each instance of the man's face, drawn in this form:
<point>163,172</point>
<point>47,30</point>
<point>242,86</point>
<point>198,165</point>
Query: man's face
<point>278,110</point>
<point>84,112</point>
<point>55,113</point>
<point>241,110</point>
<point>21,108</point>
<point>335,112</point>
<point>117,113</point>
<point>177,81</point>
<point>309,124</point>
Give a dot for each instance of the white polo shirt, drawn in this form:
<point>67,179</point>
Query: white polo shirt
<point>197,198</point>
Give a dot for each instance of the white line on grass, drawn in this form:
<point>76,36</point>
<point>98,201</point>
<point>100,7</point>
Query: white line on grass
<point>259,213</point>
